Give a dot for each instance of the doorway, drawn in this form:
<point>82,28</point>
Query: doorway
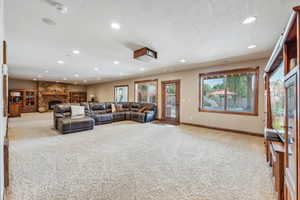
<point>171,101</point>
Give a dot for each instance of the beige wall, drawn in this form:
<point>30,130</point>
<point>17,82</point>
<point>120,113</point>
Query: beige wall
<point>32,85</point>
<point>22,84</point>
<point>189,98</point>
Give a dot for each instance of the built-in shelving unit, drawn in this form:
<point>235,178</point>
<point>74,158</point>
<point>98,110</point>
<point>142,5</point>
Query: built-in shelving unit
<point>77,97</point>
<point>22,101</point>
<point>284,122</point>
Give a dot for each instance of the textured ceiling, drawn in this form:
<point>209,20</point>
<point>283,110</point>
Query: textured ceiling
<point>201,32</point>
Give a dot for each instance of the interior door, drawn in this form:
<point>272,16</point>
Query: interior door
<point>171,100</point>
<point>291,134</point>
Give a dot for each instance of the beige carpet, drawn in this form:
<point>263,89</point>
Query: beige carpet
<point>132,161</point>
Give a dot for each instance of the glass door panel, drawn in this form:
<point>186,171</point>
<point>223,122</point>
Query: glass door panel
<point>291,127</point>
<point>171,104</point>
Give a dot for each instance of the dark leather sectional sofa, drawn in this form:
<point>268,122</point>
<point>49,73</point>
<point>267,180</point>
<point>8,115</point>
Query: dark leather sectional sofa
<point>97,113</point>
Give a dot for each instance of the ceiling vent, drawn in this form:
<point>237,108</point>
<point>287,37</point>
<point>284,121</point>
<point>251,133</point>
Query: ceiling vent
<point>145,54</point>
<point>59,6</point>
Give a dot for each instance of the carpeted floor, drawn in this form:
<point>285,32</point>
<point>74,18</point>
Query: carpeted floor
<point>133,161</point>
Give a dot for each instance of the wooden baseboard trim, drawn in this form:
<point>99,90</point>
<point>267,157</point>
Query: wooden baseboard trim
<point>169,122</point>
<point>224,129</point>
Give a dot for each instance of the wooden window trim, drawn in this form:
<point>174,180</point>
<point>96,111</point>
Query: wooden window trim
<point>226,72</point>
<point>116,86</point>
<point>145,81</point>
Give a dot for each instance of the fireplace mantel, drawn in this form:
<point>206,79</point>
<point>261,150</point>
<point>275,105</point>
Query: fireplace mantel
<point>54,93</point>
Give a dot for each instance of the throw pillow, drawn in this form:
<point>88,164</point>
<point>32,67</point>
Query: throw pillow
<point>113,108</point>
<point>77,111</point>
<point>142,109</point>
<point>149,107</point>
<point>119,107</point>
<point>145,108</point>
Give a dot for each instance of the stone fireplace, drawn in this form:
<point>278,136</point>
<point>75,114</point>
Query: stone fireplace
<point>51,94</point>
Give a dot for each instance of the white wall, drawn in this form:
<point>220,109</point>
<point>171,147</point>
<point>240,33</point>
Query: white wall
<point>2,119</point>
<point>190,97</point>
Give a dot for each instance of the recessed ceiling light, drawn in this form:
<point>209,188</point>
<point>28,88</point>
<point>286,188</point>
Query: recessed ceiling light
<point>96,69</point>
<point>76,75</point>
<point>60,62</point>
<point>249,20</point>
<point>76,51</point>
<point>116,62</point>
<point>34,79</point>
<point>183,60</point>
<point>251,46</point>
<point>48,21</point>
<point>46,71</point>
<point>115,26</point>
<point>65,79</point>
<point>61,8</point>
<point>142,69</point>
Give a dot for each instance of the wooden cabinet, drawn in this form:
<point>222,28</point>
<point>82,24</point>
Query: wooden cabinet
<point>14,110</point>
<point>15,102</point>
<point>30,101</point>
<point>77,97</point>
<point>291,132</point>
<point>286,56</point>
<point>22,101</point>
<point>291,57</point>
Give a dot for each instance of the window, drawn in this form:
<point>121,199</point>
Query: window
<point>232,91</point>
<point>146,91</point>
<point>121,93</point>
<point>276,82</point>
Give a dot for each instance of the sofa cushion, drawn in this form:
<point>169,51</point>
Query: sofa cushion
<point>108,110</point>
<point>125,105</point>
<point>77,111</point>
<point>138,116</point>
<point>62,108</point>
<point>98,112</point>
<point>103,117</point>
<point>77,123</point>
<point>128,115</point>
<point>108,105</point>
<point>135,105</point>
<point>118,116</point>
<point>97,106</point>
